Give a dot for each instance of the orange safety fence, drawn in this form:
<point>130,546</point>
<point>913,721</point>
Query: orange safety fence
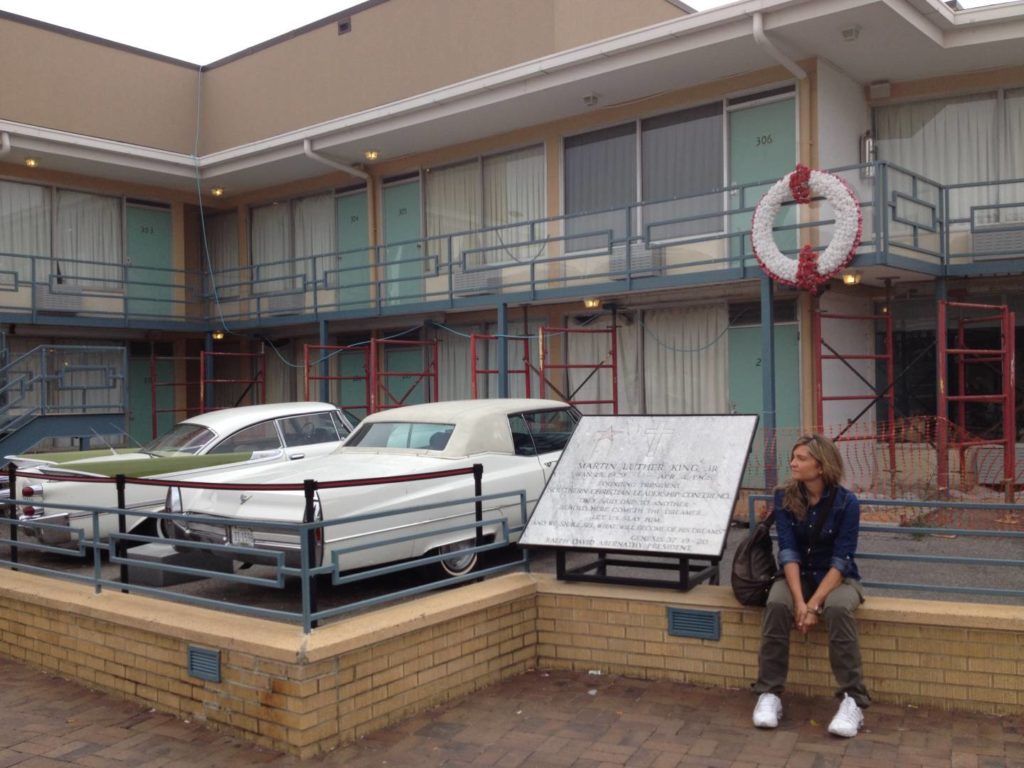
<point>897,460</point>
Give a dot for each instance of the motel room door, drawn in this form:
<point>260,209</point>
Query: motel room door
<point>148,271</point>
<point>403,253</point>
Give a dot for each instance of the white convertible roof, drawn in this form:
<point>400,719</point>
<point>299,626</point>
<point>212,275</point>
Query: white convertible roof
<point>481,426</point>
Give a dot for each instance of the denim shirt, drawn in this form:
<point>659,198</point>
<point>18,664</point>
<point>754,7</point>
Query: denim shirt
<point>837,542</point>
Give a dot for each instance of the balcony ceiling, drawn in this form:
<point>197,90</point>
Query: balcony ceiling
<point>896,40</point>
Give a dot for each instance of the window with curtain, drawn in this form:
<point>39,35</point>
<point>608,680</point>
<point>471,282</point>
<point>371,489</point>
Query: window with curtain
<point>950,141</point>
<point>1013,157</point>
<point>496,193</point>
<point>270,243</point>
<point>24,229</point>
<point>681,164</point>
<point>221,246</point>
<point>88,245</point>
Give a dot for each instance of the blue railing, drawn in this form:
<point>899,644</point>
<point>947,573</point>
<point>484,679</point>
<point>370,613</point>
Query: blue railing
<point>915,531</point>
<point>911,222</point>
<point>88,547</point>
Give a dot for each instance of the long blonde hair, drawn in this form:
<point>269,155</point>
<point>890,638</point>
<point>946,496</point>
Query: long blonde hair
<point>823,451</point>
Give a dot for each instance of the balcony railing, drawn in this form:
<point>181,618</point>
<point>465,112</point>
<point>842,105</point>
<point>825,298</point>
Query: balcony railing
<point>911,223</point>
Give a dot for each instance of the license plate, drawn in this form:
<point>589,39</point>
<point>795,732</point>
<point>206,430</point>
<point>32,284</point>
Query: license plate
<point>241,537</point>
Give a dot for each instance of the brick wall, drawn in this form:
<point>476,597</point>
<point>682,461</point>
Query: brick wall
<point>306,694</point>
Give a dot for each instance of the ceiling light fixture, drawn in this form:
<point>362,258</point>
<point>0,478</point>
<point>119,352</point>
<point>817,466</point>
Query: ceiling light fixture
<point>31,162</point>
<point>217,335</point>
<point>592,303</point>
<point>591,99</point>
<point>851,278</point>
<point>371,154</point>
<point>217,191</point>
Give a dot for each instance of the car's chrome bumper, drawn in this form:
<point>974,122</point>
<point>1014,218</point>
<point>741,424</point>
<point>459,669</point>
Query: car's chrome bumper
<point>248,544</point>
<point>53,530</point>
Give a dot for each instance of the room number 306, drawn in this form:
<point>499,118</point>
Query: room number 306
<point>763,140</point>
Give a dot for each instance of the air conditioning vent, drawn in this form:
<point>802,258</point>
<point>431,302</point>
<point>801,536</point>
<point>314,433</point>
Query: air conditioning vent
<point>999,242</point>
<point>644,261</point>
<point>476,283</point>
<point>283,304</point>
<point>59,297</point>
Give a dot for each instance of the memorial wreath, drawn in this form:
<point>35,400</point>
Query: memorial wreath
<point>809,270</point>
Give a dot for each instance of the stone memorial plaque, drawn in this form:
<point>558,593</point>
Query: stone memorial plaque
<point>645,484</point>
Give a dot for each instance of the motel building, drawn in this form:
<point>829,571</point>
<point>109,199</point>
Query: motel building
<point>421,200</point>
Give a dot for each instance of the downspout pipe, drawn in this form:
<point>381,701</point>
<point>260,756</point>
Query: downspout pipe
<point>5,143</point>
<point>308,151</point>
<point>769,47</point>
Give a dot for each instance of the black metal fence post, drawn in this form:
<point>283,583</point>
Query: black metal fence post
<point>119,548</point>
<point>478,491</point>
<point>309,545</point>
<point>12,477</point>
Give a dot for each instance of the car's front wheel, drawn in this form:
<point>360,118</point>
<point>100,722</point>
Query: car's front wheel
<point>463,559</point>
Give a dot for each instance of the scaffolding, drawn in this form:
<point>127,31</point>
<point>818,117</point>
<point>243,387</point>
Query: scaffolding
<point>254,385</point>
<point>823,351</point>
<point>178,388</point>
<point>966,356</point>
<point>474,351</point>
<point>330,358</point>
<point>378,380</point>
<point>608,363</point>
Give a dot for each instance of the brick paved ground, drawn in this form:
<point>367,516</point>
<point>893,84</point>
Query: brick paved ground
<point>540,720</point>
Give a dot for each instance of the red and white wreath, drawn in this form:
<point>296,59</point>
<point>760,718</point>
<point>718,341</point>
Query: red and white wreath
<point>810,270</point>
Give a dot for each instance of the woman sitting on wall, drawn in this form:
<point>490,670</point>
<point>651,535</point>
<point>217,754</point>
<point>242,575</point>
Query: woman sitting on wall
<point>818,521</point>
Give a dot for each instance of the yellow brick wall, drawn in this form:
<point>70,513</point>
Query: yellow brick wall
<point>306,694</point>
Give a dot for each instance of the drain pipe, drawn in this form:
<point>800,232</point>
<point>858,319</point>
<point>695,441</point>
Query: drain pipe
<point>769,47</point>
<point>5,143</point>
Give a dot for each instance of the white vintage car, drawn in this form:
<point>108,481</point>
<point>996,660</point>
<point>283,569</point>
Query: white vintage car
<point>254,435</point>
<point>517,441</point>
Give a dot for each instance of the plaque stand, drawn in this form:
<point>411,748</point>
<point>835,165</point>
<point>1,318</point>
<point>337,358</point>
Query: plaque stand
<point>689,574</point>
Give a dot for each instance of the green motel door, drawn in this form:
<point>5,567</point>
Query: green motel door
<point>403,253</point>
<point>762,148</point>
<point>353,275</point>
<point>149,271</point>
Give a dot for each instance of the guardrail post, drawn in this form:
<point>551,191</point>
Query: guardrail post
<point>12,476</point>
<point>478,491</point>
<point>308,549</point>
<point>119,548</point>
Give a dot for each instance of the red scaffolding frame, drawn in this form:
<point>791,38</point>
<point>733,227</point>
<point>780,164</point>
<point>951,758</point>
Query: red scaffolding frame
<point>609,362</point>
<point>525,371</point>
<point>155,385</point>
<point>325,354</point>
<point>257,379</point>
<point>378,388</point>
<point>888,393</point>
<point>965,356</point>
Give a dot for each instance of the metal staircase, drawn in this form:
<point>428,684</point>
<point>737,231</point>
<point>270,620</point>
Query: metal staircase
<point>61,391</point>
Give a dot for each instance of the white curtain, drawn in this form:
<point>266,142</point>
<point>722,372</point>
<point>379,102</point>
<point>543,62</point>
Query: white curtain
<point>686,359</point>
<point>514,193</point>
<point>1013,140</point>
<point>314,226</point>
<point>595,348</point>
<point>455,365</point>
<point>88,244</point>
<point>24,229</point>
<point>949,141</point>
<point>520,339</point>
<point>271,247</point>
<point>452,198</point>
<point>222,246</point>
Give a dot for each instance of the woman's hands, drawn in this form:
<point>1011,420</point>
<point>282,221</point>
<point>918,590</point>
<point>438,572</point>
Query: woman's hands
<point>805,618</point>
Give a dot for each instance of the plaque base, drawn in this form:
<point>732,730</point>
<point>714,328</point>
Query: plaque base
<point>688,573</point>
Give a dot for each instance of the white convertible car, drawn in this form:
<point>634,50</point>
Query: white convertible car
<point>518,442</point>
<point>253,435</point>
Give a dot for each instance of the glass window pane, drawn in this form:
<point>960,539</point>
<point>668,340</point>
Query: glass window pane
<point>88,244</point>
<point>600,176</point>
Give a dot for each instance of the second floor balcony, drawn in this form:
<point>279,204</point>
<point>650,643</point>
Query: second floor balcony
<point>914,228</point>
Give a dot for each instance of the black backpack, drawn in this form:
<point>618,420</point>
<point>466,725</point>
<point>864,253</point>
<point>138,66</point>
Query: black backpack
<point>753,566</point>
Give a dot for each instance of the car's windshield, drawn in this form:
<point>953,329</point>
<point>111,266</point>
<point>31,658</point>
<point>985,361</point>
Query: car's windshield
<point>402,434</point>
<point>184,438</point>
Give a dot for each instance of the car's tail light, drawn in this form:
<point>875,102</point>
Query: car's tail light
<point>28,511</point>
<point>29,491</point>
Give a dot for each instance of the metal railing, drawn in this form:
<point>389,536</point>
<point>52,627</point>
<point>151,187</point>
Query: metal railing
<point>89,547</point>
<point>916,531</point>
<point>910,222</point>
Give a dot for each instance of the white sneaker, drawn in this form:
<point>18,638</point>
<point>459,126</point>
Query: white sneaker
<point>848,719</point>
<point>768,711</point>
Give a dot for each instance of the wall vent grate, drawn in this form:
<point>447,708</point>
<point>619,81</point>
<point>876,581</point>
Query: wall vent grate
<point>686,622</point>
<point>204,663</point>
